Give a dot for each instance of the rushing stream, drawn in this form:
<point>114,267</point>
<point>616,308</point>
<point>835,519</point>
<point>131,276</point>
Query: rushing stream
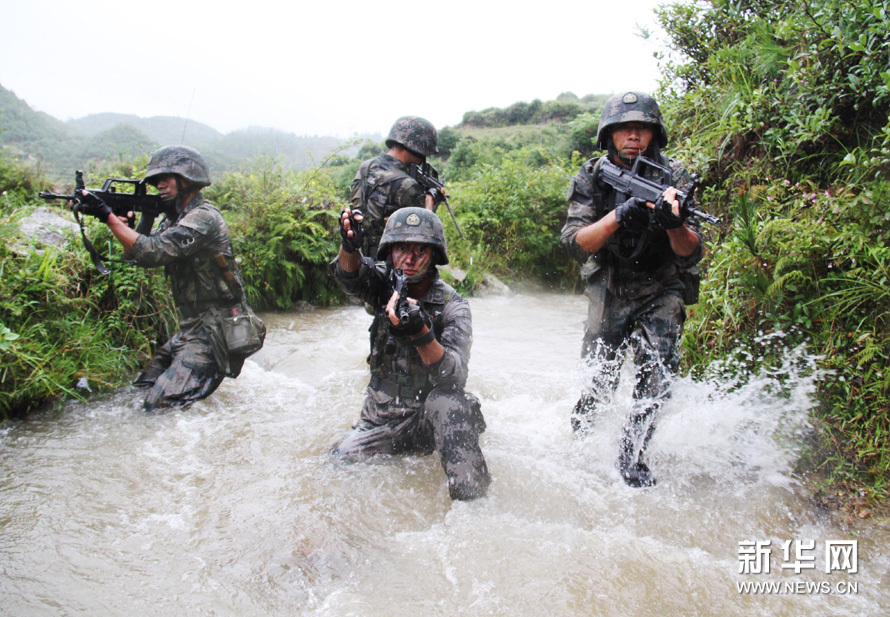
<point>234,508</point>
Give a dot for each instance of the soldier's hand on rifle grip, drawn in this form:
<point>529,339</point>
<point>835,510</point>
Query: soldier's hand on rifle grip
<point>438,194</point>
<point>632,214</point>
<point>667,210</point>
<point>351,232</point>
<point>410,321</point>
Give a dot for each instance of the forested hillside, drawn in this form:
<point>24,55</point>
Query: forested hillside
<point>58,148</point>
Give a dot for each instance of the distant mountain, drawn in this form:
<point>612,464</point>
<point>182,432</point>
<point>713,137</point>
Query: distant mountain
<point>33,134</point>
<point>163,129</point>
<point>60,147</point>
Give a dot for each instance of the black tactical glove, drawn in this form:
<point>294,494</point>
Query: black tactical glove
<point>93,206</point>
<point>633,214</point>
<point>438,196</point>
<point>412,319</point>
<point>351,244</point>
<point>665,216</point>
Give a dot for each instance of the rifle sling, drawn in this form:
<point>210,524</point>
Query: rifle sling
<point>96,257</point>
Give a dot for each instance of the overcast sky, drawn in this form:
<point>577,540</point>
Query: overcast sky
<point>318,68</point>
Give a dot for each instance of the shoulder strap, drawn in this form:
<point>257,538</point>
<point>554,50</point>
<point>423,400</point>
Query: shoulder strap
<point>385,178</point>
<point>597,196</point>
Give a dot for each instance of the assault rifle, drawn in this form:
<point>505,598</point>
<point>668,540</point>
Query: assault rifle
<point>634,182</point>
<point>86,201</point>
<point>398,283</point>
<point>428,177</point>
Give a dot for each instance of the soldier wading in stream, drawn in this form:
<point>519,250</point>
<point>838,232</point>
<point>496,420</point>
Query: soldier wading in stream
<point>415,401</point>
<point>195,250</point>
<point>637,255</point>
<point>383,185</point>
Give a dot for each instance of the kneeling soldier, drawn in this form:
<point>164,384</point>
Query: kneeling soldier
<point>420,350</point>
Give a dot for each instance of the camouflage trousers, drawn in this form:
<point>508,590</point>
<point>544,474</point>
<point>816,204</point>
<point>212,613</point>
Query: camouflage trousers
<point>182,371</point>
<point>446,422</point>
<point>651,327</point>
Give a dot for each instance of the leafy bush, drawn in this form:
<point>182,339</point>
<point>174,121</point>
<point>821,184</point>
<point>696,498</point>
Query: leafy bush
<point>59,320</point>
<point>284,228</point>
<point>512,214</point>
<point>786,106</point>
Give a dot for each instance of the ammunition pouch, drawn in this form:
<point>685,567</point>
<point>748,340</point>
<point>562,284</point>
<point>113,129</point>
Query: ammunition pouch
<point>244,332</point>
<point>235,333</point>
<point>396,390</point>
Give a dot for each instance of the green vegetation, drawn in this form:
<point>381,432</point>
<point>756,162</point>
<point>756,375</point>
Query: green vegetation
<point>511,213</point>
<point>59,320</point>
<point>783,109</point>
<point>283,223</point>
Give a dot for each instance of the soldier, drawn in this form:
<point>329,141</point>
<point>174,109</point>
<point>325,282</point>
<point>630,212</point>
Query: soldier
<point>416,401</point>
<point>636,253</point>
<point>383,185</point>
<point>196,252</point>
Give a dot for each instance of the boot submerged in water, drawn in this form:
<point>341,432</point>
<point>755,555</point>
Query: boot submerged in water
<point>637,475</point>
<point>631,466</point>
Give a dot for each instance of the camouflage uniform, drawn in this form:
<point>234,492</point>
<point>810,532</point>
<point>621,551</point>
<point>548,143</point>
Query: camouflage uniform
<point>411,407</point>
<point>635,293</point>
<point>192,364</point>
<point>383,185</point>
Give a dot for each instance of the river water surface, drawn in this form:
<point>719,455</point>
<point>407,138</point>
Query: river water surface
<point>234,508</point>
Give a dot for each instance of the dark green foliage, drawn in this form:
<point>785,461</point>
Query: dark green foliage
<point>284,228</point>
<point>785,107</point>
<point>59,320</point>
<point>582,134</point>
<point>564,109</point>
<point>535,145</point>
<point>511,213</point>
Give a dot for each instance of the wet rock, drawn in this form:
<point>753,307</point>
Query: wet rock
<point>458,275</point>
<point>43,227</point>
<point>492,286</point>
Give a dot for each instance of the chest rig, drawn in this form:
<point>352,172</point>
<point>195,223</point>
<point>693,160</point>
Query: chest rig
<point>396,367</point>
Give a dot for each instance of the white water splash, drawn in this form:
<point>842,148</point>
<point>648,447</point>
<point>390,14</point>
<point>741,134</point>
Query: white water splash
<point>234,507</point>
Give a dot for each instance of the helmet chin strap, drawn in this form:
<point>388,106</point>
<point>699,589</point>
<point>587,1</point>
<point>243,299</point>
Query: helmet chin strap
<point>181,189</point>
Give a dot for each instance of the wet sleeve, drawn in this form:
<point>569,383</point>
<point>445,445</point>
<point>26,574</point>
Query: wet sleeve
<point>457,339</point>
<point>581,213</point>
<point>197,231</point>
<point>365,283</point>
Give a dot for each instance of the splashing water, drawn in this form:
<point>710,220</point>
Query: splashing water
<point>234,507</point>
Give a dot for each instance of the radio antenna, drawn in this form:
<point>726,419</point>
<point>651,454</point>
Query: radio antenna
<point>187,115</point>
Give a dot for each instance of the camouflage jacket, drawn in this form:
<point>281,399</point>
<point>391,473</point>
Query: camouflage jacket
<point>398,361</point>
<point>653,269</point>
<point>382,186</point>
<point>186,248</point>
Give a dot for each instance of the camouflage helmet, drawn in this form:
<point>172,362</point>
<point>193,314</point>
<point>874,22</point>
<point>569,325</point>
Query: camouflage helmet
<point>181,160</point>
<point>630,107</point>
<point>415,134</point>
<point>414,225</point>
